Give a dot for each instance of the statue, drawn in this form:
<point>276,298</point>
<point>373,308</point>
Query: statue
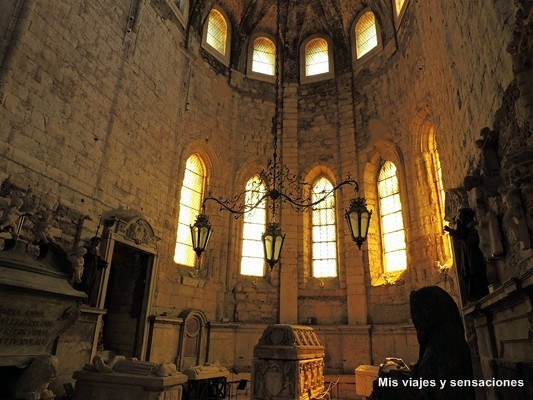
<point>130,366</point>
<point>93,264</point>
<point>34,381</point>
<point>76,259</point>
<point>470,262</point>
<point>11,216</point>
<point>43,228</point>
<point>443,351</point>
<point>515,219</point>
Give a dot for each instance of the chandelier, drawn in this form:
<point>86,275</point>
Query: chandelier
<point>282,187</point>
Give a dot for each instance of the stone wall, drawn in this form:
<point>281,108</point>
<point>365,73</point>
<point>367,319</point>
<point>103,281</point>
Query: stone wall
<point>103,104</point>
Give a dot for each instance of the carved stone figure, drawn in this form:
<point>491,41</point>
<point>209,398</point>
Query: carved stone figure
<point>11,216</point>
<point>472,269</point>
<point>515,219</point>
<point>443,351</point>
<point>43,228</point>
<point>489,233</point>
<point>76,259</point>
<point>130,366</point>
<point>34,381</point>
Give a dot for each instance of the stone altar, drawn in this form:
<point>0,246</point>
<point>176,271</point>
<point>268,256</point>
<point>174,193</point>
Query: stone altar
<point>288,363</point>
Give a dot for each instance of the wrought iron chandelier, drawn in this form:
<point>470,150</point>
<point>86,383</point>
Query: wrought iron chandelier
<point>282,187</point>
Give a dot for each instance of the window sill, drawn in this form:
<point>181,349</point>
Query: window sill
<point>389,278</point>
<point>222,58</point>
<point>373,54</point>
<point>304,80</point>
<point>261,77</point>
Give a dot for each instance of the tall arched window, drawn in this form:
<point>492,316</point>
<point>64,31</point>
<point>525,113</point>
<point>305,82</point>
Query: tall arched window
<point>264,56</point>
<point>253,261</point>
<point>324,235</point>
<point>392,228</point>
<point>316,57</point>
<point>366,37</point>
<point>440,190</point>
<point>192,191</point>
<point>217,31</point>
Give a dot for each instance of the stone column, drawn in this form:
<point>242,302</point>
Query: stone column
<point>291,220</point>
<point>352,256</point>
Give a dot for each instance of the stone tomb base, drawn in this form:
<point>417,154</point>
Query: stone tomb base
<point>119,386</point>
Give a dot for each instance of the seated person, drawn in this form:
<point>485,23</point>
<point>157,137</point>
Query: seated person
<point>443,354</point>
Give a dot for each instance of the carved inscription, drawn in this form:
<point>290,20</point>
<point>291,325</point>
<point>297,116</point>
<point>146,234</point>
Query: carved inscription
<point>24,327</point>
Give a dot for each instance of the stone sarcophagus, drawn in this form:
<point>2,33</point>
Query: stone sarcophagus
<point>288,364</point>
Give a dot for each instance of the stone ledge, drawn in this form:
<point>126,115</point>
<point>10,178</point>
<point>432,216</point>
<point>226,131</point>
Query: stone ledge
<point>502,294</point>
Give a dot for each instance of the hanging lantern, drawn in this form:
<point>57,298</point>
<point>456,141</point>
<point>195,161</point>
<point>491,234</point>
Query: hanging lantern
<point>272,243</point>
<point>358,218</point>
<point>200,234</point>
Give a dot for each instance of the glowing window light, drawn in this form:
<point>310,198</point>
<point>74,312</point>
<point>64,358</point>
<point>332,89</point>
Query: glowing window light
<point>190,204</point>
<point>264,56</point>
<point>392,229</point>
<point>316,57</point>
<point>324,237</point>
<point>253,261</point>
<point>442,198</point>
<point>217,31</point>
<point>365,34</point>
<point>399,5</point>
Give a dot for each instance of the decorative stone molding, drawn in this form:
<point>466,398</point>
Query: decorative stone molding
<point>131,227</point>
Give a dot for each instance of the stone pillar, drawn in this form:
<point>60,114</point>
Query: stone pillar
<point>291,220</point>
<point>352,256</point>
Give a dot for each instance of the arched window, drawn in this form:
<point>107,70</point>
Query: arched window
<point>399,5</point>
<point>324,236</point>
<point>192,191</point>
<point>316,57</point>
<point>392,228</point>
<point>366,37</point>
<point>253,261</point>
<point>264,56</point>
<point>439,186</point>
<point>217,31</point>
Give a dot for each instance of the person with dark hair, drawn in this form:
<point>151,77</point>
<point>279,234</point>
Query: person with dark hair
<point>444,354</point>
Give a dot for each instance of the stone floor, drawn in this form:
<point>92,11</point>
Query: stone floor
<point>343,389</point>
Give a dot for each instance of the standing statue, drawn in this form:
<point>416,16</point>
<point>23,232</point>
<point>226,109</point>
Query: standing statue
<point>470,261</point>
<point>93,265</point>
<point>76,259</point>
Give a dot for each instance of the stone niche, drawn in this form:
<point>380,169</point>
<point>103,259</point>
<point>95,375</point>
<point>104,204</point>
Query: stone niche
<point>37,305</point>
<point>288,363</point>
